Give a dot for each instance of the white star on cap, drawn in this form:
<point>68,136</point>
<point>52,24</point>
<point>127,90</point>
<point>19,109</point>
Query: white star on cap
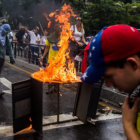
<point>90,54</point>
<point>132,29</point>
<point>93,47</point>
<point>94,40</point>
<point>84,76</point>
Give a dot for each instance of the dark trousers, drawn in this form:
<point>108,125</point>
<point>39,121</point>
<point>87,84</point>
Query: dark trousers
<point>45,58</point>
<point>34,54</point>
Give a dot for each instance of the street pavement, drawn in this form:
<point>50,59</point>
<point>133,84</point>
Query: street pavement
<point>107,126</point>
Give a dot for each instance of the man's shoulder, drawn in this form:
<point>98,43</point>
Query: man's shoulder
<point>31,32</point>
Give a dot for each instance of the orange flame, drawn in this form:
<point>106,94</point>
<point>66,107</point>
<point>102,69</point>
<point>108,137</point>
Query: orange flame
<point>30,127</point>
<point>49,21</point>
<point>61,69</point>
<point>51,14</point>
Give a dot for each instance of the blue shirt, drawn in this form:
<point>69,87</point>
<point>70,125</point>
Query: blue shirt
<point>4,42</point>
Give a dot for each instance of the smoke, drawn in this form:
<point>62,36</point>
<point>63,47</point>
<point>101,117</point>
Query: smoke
<point>30,12</point>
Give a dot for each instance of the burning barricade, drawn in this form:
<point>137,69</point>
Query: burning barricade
<point>60,69</point>
<point>28,95</point>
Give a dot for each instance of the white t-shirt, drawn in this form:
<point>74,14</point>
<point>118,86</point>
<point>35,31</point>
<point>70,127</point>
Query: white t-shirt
<point>43,40</point>
<point>34,37</point>
<point>10,35</point>
<point>77,34</point>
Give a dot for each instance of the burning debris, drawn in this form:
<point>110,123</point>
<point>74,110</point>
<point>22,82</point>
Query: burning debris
<point>61,69</point>
<point>30,127</point>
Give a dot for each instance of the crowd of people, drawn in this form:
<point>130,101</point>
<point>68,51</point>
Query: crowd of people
<point>45,47</point>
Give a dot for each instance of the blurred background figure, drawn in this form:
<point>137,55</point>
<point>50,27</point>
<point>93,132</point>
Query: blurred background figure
<point>78,43</point>
<point>26,44</point>
<point>5,43</point>
<point>11,36</point>
<point>20,39</point>
<point>42,43</point>
<point>79,32</point>
<point>52,48</point>
<point>34,42</point>
<point>52,44</point>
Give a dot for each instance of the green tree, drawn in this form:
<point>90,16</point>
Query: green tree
<point>100,13</point>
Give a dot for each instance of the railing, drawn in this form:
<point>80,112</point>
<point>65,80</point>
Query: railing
<point>24,50</point>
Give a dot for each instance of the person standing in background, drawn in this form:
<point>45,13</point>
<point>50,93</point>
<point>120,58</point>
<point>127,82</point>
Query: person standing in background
<point>10,35</point>
<point>34,42</point>
<point>78,32</point>
<point>20,39</point>
<point>52,48</point>
<point>5,43</point>
<point>42,42</point>
<point>78,43</point>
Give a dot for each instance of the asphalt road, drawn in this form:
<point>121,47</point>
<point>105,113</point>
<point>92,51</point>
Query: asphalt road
<point>107,126</point>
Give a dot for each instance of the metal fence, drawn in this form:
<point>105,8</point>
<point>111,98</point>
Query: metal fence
<point>24,51</point>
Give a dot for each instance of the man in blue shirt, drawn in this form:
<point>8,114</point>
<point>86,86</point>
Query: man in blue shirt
<point>4,43</point>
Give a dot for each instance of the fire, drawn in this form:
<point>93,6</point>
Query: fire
<point>49,21</point>
<point>28,128</point>
<point>61,69</point>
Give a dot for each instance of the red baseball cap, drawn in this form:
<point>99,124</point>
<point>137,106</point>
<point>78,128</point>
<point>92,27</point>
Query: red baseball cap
<point>120,41</point>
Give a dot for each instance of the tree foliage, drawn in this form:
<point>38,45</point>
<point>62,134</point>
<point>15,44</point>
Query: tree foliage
<point>100,13</point>
<point>95,14</point>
